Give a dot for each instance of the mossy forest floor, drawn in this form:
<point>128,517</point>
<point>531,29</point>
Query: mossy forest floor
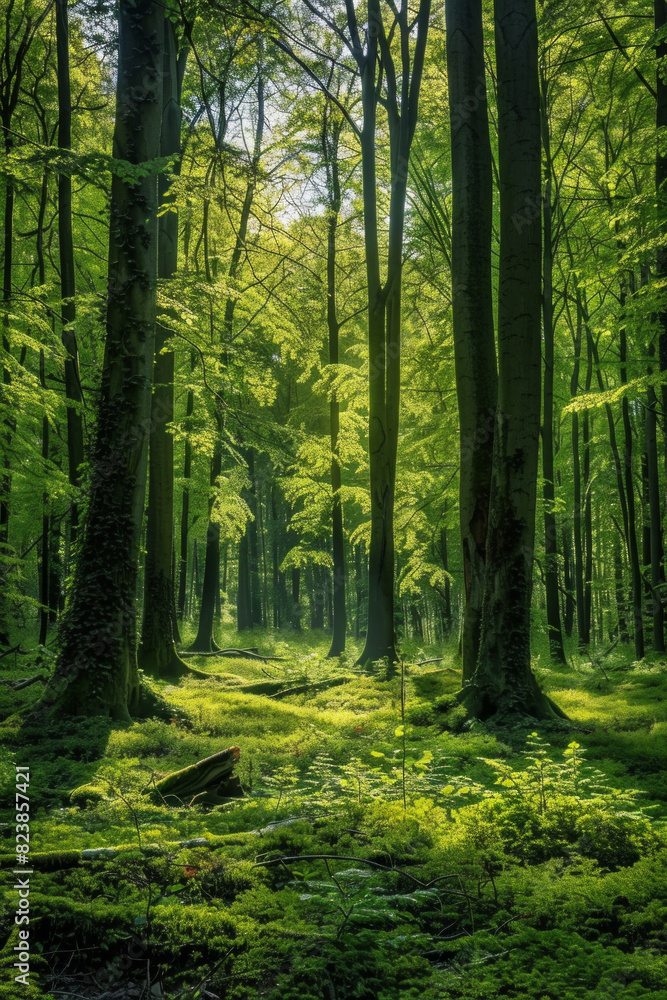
<point>381,852</point>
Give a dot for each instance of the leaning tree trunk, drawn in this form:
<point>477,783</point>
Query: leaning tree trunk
<point>474,343</point>
<point>503,683</point>
<point>157,653</point>
<point>96,668</point>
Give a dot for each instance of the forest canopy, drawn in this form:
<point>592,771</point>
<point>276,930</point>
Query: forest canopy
<point>331,316</point>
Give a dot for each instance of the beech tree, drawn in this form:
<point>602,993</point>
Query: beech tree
<point>96,670</point>
<point>503,682</point>
<point>472,302</point>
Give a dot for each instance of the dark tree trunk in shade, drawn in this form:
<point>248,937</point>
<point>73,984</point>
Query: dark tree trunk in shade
<point>569,605</point>
<point>619,591</point>
<point>75,449</point>
<point>96,668</point>
<point>330,143</point>
<point>633,548</point>
<point>474,343</point>
<point>185,507</point>
<point>157,652</point>
<point>660,20</point>
<point>503,683</point>
<point>243,602</point>
<point>384,299</point>
<point>204,641</point>
<point>587,433</point>
<point>656,553</point>
<point>555,633</point>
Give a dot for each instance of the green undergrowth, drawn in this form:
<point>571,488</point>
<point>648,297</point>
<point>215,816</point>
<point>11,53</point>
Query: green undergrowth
<point>386,847</point>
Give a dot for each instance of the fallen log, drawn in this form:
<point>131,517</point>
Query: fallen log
<point>60,860</point>
<point>277,689</point>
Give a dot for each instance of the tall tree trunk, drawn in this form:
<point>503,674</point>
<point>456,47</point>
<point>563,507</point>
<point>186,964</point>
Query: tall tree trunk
<point>503,682</point>
<point>656,547</point>
<point>619,591</point>
<point>585,629</point>
<point>555,633</point>
<point>633,548</point>
<point>567,580</point>
<point>185,508</point>
<point>330,150</point>
<point>474,344</point>
<point>157,653</point>
<point>243,603</point>
<point>96,668</point>
<point>75,452</point>
<point>660,20</point>
<point>44,567</point>
<point>384,300</point>
<point>204,640</point>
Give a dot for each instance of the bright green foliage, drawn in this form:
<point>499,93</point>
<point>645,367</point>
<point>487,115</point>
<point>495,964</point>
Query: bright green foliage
<point>516,868</point>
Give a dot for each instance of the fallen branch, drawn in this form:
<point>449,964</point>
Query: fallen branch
<point>246,654</point>
<point>277,689</point>
<point>15,649</point>
<point>303,688</point>
<point>25,682</point>
<point>371,864</point>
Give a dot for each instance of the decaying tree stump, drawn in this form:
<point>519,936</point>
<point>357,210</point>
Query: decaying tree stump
<point>210,781</point>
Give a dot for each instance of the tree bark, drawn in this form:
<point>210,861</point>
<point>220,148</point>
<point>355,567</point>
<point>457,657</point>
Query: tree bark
<point>555,633</point>
<point>330,138</point>
<point>157,652</point>
<point>96,668</point>
<point>503,683</point>
<point>474,343</point>
<point>384,300</point>
<point>656,547</point>
<point>75,451</point>
<point>185,508</point>
<point>633,548</point>
<point>660,20</point>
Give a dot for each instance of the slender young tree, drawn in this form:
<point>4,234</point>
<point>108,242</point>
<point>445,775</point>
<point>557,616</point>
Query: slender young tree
<point>204,640</point>
<point>331,129</point>
<point>75,452</point>
<point>472,301</point>
<point>96,668</point>
<point>556,647</point>
<point>375,57</point>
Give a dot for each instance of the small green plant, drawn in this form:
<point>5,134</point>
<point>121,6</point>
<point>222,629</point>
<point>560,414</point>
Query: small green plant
<point>552,808</point>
